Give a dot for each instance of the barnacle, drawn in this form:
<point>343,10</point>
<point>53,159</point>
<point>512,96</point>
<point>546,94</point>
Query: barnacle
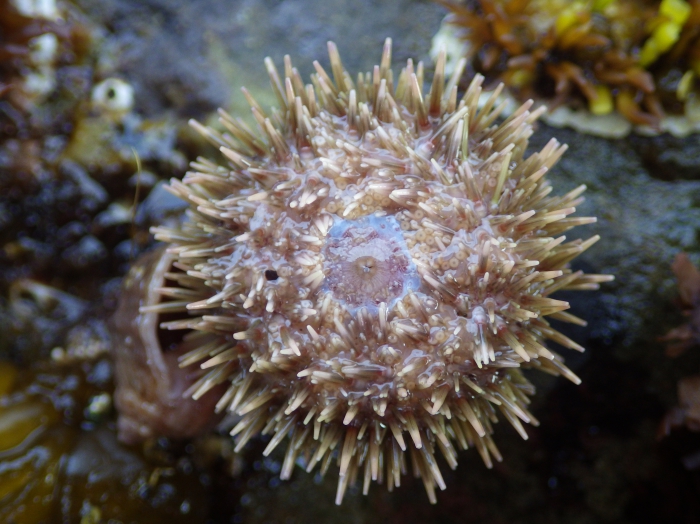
<point>113,96</point>
<point>370,270</point>
<point>31,38</point>
<point>639,58</point>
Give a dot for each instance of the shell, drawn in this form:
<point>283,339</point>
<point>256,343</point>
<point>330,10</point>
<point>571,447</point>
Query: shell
<point>150,385</point>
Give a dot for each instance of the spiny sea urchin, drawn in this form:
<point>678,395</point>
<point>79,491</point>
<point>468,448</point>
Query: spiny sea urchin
<point>371,269</point>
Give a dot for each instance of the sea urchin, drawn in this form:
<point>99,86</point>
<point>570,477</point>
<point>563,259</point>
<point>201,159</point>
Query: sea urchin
<point>371,269</point>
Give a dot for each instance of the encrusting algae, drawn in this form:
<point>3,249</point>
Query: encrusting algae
<point>370,270</point>
<point>639,59</point>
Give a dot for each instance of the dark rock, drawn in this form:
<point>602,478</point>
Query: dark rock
<point>194,56</point>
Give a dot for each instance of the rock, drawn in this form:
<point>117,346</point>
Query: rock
<point>194,56</point>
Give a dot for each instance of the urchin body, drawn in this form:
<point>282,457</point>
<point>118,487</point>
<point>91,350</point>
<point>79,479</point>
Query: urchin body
<point>371,269</point>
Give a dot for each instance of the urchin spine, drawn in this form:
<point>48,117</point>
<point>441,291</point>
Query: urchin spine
<point>423,369</point>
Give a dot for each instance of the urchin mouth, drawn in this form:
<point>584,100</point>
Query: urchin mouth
<point>367,262</point>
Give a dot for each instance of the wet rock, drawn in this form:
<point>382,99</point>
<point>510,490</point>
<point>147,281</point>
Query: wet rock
<point>37,317</point>
<point>643,222</point>
<point>61,463</point>
<point>668,157</point>
<point>194,56</point>
<point>86,252</point>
